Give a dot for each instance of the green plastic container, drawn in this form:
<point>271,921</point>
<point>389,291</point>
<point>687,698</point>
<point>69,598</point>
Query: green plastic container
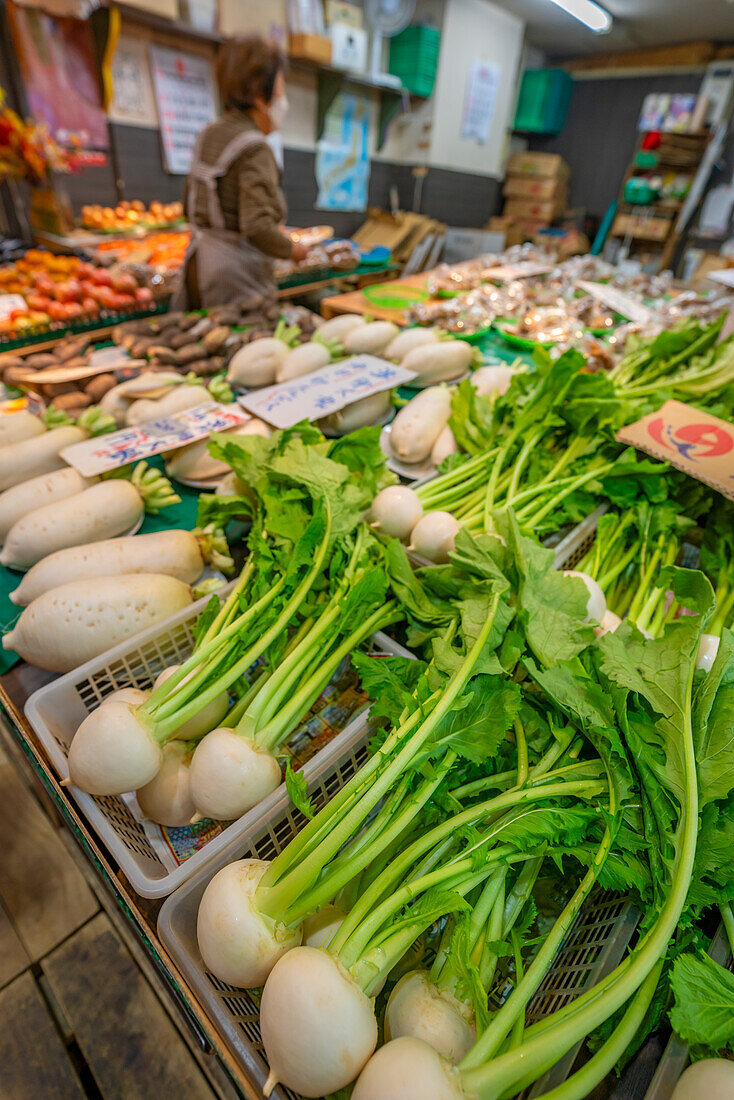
<point>543,102</point>
<point>639,191</point>
<point>414,58</point>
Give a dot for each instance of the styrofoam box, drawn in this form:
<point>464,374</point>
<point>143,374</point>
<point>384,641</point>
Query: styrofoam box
<point>56,711</point>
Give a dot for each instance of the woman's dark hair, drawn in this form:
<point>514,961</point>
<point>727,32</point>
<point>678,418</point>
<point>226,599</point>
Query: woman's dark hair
<point>246,70</point>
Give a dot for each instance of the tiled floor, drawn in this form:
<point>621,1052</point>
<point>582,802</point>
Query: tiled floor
<point>79,1017</point>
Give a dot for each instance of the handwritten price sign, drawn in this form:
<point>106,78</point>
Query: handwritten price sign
<point>109,452</point>
<point>696,442</point>
<point>325,391</point>
<point>614,299</point>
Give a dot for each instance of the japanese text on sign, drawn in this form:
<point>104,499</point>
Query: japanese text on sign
<point>325,391</point>
<point>507,273</point>
<point>694,441</point>
<point>109,452</point>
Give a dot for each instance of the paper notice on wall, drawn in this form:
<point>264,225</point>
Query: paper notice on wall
<point>480,98</point>
<point>342,155</point>
<point>109,452</point>
<point>325,391</point>
<point>133,101</point>
<point>693,441</point>
<point>615,299</point>
<point>184,90</point>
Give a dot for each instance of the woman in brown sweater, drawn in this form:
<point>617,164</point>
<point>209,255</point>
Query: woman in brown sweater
<point>233,196</point>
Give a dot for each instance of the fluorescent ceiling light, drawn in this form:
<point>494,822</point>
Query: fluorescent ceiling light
<point>589,13</point>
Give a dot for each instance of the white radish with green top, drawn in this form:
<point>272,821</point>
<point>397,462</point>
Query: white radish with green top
<point>256,363</point>
<point>180,554</point>
<point>396,510</point>
<point>408,340</point>
<point>75,622</point>
<point>166,798</point>
<point>370,339</point>
<point>178,400</point>
<point>434,535</point>
<point>358,414</point>
<point>444,446</point>
<point>37,492</point>
<point>17,426</point>
<point>440,362</point>
<point>36,456</point>
<point>418,425</point>
<point>338,328</point>
<point>100,512</point>
<point>494,379</point>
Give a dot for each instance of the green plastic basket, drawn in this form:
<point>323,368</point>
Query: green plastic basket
<point>543,102</point>
<point>414,58</point>
<point>388,296</point>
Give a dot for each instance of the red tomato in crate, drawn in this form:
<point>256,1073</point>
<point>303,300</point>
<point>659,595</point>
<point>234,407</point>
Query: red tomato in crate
<point>143,294</point>
<point>101,276</point>
<point>57,311</point>
<point>70,291</point>
<point>38,301</point>
<point>124,283</point>
<point>89,305</point>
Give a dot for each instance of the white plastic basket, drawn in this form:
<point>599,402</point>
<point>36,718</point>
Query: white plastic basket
<point>593,947</point>
<point>56,711</point>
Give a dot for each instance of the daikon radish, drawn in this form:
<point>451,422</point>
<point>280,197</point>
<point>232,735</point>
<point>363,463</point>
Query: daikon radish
<point>409,339</point>
<point>117,401</point>
<point>29,495</point>
<point>370,339</point>
<point>104,510</point>
<point>175,553</point>
<point>180,398</point>
<point>303,360</point>
<point>36,456</point>
<point>494,379</point>
<point>194,460</point>
<point>338,328</point>
<point>419,424</point>
<point>75,622</point>
<point>368,410</point>
<point>444,446</point>
<point>256,364</point>
<point>440,362</point>
<point>18,426</point>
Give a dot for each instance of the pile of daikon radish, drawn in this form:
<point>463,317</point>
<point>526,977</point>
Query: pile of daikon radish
<point>86,589</point>
<point>433,355</point>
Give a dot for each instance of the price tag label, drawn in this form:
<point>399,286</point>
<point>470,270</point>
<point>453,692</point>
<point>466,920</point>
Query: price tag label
<point>325,391</point>
<point>616,300</point>
<point>109,452</point>
<point>9,303</point>
<point>507,273</point>
<point>699,444</point>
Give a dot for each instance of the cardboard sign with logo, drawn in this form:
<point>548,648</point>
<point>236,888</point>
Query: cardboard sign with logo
<point>699,444</point>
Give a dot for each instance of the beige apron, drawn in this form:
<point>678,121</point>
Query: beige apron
<point>228,267</point>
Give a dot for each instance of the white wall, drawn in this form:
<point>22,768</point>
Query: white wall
<point>430,131</point>
<point>474,30</point>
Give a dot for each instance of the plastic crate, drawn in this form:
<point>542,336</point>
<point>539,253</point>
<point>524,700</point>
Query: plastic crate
<point>414,58</point>
<point>675,1056</point>
<point>593,947</point>
<point>543,102</point>
<point>56,710</point>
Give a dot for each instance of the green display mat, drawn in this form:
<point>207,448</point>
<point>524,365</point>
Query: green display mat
<point>179,516</point>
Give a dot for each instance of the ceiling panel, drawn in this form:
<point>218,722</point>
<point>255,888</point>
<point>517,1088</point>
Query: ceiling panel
<point>637,24</point>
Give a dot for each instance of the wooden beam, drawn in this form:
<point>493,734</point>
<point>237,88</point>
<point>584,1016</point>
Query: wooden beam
<point>659,57</point>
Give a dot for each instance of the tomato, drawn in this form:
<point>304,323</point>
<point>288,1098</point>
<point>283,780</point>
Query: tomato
<point>101,276</point>
<point>89,305</point>
<point>38,301</point>
<point>143,294</point>
<point>70,291</point>
<point>124,283</point>
<point>57,311</point>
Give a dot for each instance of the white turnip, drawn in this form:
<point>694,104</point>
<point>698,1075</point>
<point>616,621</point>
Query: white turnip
<point>444,446</point>
<point>238,944</point>
<point>408,1069</point>
<point>709,1079</point>
<point>230,775</point>
<point>111,752</point>
<point>166,799</point>
<point>208,717</point>
<point>433,536</point>
<point>416,1007</point>
<point>396,510</point>
<point>318,1027</point>
<point>320,927</point>
<point>494,379</point>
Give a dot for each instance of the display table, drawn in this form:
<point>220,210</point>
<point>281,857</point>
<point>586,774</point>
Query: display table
<point>356,302</point>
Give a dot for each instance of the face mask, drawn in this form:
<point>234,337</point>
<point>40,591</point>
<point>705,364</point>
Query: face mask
<point>277,110</point>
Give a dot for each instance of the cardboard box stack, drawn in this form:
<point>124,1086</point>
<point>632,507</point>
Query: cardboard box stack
<point>535,190</point>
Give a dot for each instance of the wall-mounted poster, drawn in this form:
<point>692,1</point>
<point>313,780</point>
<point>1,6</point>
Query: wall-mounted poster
<point>133,102</point>
<point>184,90</point>
<point>56,61</point>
